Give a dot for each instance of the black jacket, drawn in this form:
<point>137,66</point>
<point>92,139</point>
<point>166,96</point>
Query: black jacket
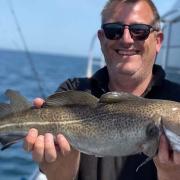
<point>120,168</point>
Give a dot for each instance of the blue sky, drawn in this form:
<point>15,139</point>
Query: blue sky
<point>55,26</point>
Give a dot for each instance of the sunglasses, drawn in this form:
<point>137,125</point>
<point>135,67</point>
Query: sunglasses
<point>140,32</point>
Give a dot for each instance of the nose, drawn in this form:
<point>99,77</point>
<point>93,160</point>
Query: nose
<point>126,37</point>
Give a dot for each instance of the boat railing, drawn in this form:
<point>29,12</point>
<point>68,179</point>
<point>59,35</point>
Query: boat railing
<point>92,61</point>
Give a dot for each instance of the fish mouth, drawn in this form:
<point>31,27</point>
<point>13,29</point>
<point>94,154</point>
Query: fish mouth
<point>126,52</point>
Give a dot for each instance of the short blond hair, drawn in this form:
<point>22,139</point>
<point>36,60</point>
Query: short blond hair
<point>156,21</point>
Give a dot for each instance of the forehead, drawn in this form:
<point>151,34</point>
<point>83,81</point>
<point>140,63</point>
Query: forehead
<point>139,12</point>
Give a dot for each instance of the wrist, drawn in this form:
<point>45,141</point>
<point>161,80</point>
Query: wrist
<point>60,176</point>
<point>167,175</point>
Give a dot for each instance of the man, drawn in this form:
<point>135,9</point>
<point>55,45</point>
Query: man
<point>130,40</point>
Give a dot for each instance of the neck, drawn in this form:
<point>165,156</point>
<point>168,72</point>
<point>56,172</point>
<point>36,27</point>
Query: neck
<point>136,86</point>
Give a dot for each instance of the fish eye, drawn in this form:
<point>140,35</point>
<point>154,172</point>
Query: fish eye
<point>152,131</point>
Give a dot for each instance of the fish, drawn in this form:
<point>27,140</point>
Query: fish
<point>116,124</point>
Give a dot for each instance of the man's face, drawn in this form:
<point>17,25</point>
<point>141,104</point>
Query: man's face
<point>125,55</point>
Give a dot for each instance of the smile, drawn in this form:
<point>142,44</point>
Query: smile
<point>127,52</point>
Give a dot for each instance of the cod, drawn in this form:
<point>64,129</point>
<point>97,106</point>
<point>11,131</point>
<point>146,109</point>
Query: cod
<point>117,124</point>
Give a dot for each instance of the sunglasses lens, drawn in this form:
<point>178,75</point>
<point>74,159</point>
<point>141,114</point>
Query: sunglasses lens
<point>139,31</point>
<point>113,30</point>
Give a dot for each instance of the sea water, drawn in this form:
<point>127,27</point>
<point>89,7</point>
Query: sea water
<point>17,72</point>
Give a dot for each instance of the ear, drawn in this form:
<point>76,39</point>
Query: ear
<point>159,39</point>
<point>100,35</point>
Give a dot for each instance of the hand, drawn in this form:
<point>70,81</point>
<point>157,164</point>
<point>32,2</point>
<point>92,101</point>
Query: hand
<point>167,161</point>
<point>57,159</point>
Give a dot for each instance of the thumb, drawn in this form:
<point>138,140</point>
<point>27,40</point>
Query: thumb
<point>38,102</point>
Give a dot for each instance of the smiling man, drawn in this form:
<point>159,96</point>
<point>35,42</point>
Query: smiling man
<point>131,53</point>
<point>130,40</point>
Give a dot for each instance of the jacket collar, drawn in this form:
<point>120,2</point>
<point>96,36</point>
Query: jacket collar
<point>101,78</point>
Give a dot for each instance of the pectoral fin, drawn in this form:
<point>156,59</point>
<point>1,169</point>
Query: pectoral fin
<point>115,97</point>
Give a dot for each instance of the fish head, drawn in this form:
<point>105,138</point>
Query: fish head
<point>151,143</point>
<point>171,117</point>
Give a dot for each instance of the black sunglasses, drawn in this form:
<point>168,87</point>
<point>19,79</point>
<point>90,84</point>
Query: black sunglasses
<point>140,32</point>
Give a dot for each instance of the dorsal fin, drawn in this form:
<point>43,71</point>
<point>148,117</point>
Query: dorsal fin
<point>17,101</point>
<point>71,98</point>
<point>115,97</point>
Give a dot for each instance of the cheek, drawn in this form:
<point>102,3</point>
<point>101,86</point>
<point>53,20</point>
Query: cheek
<point>107,48</point>
<point>150,51</point>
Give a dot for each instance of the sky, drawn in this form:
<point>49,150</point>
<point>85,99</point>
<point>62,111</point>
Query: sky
<point>55,26</point>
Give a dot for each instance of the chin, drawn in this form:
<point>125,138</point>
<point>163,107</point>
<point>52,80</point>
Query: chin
<point>127,68</point>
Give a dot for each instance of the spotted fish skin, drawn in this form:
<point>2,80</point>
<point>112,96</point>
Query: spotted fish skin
<point>117,124</point>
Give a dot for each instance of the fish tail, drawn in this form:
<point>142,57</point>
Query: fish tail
<point>8,139</point>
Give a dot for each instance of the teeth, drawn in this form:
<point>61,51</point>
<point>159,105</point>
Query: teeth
<point>128,53</point>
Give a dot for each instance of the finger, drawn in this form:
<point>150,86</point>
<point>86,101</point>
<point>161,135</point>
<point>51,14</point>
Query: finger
<point>30,139</point>
<point>38,150</point>
<point>50,150</point>
<point>163,153</point>
<point>176,157</point>
<point>63,144</point>
<point>38,102</point>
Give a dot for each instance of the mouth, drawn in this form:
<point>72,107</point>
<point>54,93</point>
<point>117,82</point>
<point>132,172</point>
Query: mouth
<point>126,52</point>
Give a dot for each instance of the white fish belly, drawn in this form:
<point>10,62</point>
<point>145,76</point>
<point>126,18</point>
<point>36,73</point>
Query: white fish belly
<point>173,139</point>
